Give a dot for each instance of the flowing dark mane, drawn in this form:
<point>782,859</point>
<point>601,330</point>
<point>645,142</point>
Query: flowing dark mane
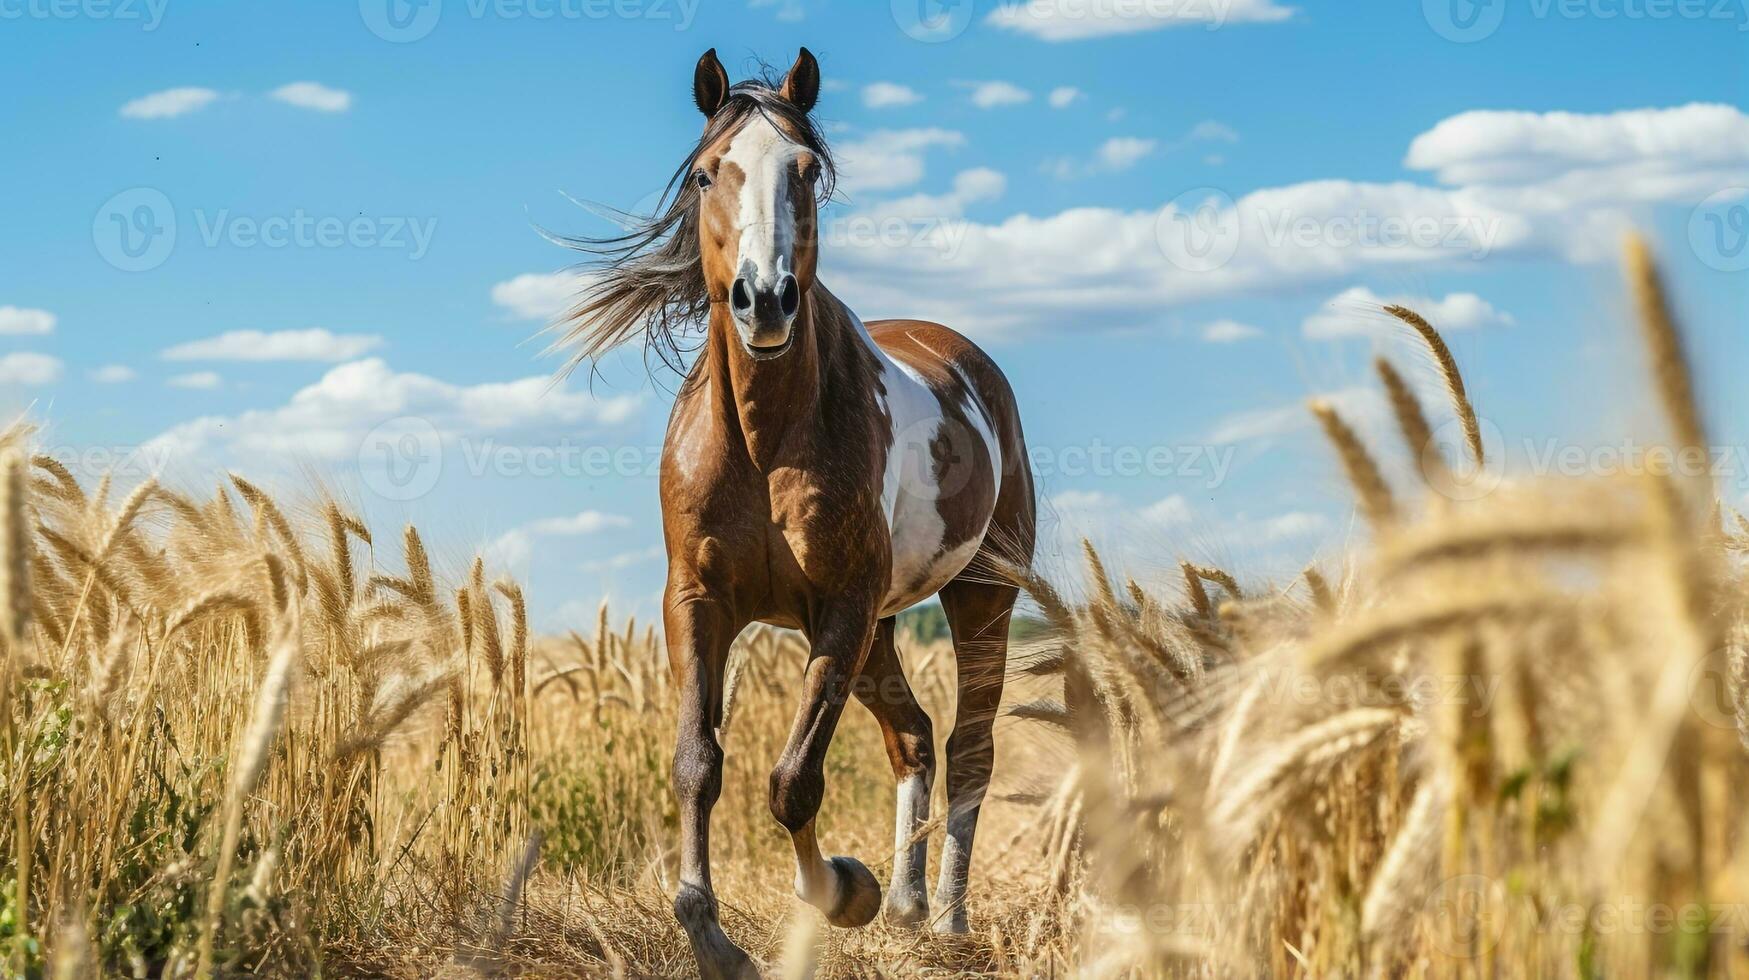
<point>649,281</point>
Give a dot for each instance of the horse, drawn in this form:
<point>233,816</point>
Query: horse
<point>818,474</point>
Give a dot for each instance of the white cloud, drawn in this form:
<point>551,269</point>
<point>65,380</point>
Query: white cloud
<point>1084,500</point>
<point>1115,155</point>
<point>113,374</point>
<point>1358,312</point>
<point>1029,271</point>
<point>539,295</point>
<point>313,95</point>
<point>1127,268</point>
<point>889,95</point>
<point>888,159</point>
<point>169,103</point>
<point>1076,20</point>
<point>1637,146</point>
<point>329,419</point>
<point>1297,524</point>
<point>935,210</point>
<point>788,11</point>
<point>1585,177</point>
<point>996,94</point>
<point>516,546</point>
<point>1229,332</point>
<point>30,369</point>
<point>1124,152</point>
<point>1097,506</point>
<point>623,560</point>
<point>15,321</point>
<point>281,345</point>
<point>1172,510</point>
<point>197,381</point>
<point>1210,130</point>
<point>1064,96</point>
<point>1358,405</point>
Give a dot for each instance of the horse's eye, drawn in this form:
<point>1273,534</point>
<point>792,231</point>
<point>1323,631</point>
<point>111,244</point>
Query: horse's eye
<point>812,174</point>
<point>703,180</point>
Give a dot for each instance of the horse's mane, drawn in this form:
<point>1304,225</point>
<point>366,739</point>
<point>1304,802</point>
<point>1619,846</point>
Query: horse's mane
<point>649,280</point>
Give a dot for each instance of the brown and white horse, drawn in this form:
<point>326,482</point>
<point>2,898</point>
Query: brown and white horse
<point>820,474</point>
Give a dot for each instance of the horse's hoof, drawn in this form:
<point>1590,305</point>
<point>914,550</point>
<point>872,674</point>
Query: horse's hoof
<point>717,956</point>
<point>906,910</point>
<point>729,964</point>
<point>951,924</point>
<point>859,894</point>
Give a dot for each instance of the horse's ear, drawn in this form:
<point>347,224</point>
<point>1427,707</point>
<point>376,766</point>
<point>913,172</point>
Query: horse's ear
<point>802,85</point>
<point>710,84</point>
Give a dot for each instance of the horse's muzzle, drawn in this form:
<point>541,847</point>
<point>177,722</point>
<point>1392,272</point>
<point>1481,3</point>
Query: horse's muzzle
<point>765,314</point>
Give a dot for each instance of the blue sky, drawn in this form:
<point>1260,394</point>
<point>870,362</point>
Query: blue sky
<point>356,266</point>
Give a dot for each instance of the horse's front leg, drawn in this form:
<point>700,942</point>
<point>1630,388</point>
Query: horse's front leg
<point>700,632</point>
<point>842,887</point>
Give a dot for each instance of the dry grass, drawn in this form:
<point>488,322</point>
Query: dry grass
<point>238,738</point>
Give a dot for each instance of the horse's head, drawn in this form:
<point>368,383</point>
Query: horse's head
<point>735,238</point>
<point>760,174</point>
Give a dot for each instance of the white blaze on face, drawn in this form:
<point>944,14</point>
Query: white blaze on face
<point>767,221</point>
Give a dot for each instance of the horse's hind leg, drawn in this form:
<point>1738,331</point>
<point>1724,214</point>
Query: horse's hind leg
<point>911,747</point>
<point>699,634</point>
<point>843,887</point>
<point>977,613</point>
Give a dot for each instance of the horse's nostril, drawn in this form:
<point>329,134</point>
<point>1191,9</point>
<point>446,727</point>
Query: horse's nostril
<point>740,296</point>
<point>790,296</point>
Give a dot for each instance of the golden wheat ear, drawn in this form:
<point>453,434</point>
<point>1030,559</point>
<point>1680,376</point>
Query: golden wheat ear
<point>1670,365</point>
<point>1411,421</point>
<point>1453,378</point>
<point>15,594</point>
<point>1363,472</point>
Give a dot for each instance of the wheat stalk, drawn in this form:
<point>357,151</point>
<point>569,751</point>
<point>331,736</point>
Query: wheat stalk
<point>1454,379</point>
<point>1363,473</point>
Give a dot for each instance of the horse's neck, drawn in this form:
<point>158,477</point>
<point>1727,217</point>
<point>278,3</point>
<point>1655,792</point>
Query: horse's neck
<point>773,404</point>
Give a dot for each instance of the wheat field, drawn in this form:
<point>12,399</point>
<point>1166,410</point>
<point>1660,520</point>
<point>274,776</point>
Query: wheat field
<point>1503,736</point>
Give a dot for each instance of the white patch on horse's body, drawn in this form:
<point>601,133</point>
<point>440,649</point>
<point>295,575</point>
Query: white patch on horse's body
<point>765,158</point>
<point>923,561</point>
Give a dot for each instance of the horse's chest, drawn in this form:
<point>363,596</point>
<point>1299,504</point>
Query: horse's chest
<point>827,529</point>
